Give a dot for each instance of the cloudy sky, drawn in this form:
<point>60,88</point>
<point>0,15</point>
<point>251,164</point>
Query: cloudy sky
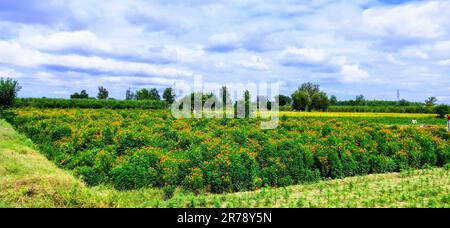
<point>370,47</point>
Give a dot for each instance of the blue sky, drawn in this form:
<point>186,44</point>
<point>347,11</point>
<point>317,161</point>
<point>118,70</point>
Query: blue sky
<point>370,47</point>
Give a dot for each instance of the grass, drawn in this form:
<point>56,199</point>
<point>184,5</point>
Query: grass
<point>28,179</point>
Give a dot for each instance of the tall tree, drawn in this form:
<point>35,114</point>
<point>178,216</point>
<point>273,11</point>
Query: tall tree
<point>154,94</point>
<point>169,95</point>
<point>102,93</point>
<point>225,96</point>
<point>360,100</point>
<point>129,95</point>
<point>142,94</point>
<point>431,101</point>
<point>309,97</point>
<point>310,88</point>
<point>8,92</point>
<point>243,106</point>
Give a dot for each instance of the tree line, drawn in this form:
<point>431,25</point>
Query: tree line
<point>142,94</point>
<point>308,97</point>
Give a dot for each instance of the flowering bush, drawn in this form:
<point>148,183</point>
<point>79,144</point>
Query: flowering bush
<point>140,148</point>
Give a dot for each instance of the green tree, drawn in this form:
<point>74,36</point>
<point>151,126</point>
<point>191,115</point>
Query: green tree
<point>320,102</point>
<point>169,95</point>
<point>129,95</point>
<point>403,102</point>
<point>309,97</point>
<point>154,94</point>
<point>300,100</point>
<point>310,88</point>
<point>82,95</point>
<point>360,100</point>
<point>102,93</point>
<point>204,97</point>
<point>8,92</point>
<point>333,100</point>
<point>442,110</point>
<point>243,107</point>
<point>247,103</point>
<point>283,100</point>
<point>225,97</point>
<point>142,94</point>
<point>431,101</point>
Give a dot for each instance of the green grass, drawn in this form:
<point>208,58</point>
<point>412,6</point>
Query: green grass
<point>28,179</point>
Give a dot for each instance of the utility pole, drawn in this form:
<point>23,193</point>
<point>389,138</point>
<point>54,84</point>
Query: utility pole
<point>398,94</point>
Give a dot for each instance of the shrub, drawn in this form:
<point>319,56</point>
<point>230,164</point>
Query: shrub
<point>132,149</point>
<point>442,110</point>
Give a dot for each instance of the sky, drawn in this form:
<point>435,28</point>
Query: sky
<point>370,47</point>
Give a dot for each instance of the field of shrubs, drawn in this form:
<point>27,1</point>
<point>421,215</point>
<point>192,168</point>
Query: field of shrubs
<point>136,148</point>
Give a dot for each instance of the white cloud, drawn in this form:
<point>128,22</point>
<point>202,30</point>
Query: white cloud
<point>353,73</point>
<point>81,40</point>
<point>14,53</point>
<point>445,62</point>
<point>9,73</point>
<point>223,42</point>
<point>303,56</point>
<point>342,43</point>
<point>417,20</point>
<point>256,63</point>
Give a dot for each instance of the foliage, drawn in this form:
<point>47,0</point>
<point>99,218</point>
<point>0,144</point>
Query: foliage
<point>135,148</point>
<point>360,100</point>
<point>283,100</point>
<point>202,99</point>
<point>169,95</point>
<point>431,101</point>
<point>301,100</point>
<point>320,101</point>
<point>8,92</point>
<point>225,97</point>
<point>87,103</point>
<point>381,109</point>
<point>333,100</point>
<point>308,97</point>
<point>378,103</point>
<point>130,95</point>
<point>102,93</point>
<point>154,94</point>
<point>82,95</point>
<point>442,110</point>
<point>145,94</point>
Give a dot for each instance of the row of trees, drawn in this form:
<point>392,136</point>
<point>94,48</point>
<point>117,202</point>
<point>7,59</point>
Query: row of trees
<point>152,94</point>
<point>360,100</point>
<point>307,97</point>
<point>142,94</point>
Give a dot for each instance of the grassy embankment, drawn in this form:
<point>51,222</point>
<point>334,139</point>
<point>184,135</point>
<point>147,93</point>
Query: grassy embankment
<point>28,179</point>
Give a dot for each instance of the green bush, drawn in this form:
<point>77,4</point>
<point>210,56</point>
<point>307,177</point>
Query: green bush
<point>442,110</point>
